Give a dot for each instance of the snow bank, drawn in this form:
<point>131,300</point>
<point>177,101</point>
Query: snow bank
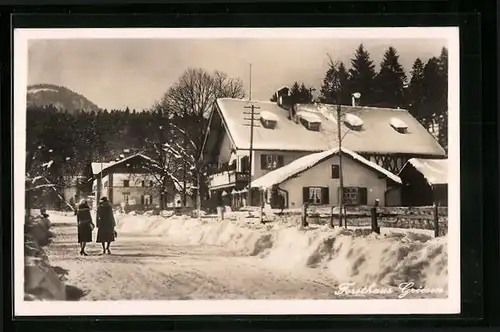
<point>350,255</point>
<point>41,281</point>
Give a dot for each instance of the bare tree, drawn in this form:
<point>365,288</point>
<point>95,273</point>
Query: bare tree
<point>191,100</point>
<point>161,148</point>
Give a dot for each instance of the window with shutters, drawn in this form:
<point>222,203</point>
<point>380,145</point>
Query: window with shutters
<point>271,161</point>
<point>335,172</point>
<point>355,196</point>
<point>245,164</point>
<point>316,195</point>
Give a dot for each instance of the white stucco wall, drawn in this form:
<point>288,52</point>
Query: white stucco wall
<point>355,175</point>
<point>288,157</point>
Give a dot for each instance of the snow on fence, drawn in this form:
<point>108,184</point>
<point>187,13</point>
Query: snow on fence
<point>425,217</point>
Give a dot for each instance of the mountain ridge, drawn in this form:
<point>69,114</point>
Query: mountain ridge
<point>61,97</point>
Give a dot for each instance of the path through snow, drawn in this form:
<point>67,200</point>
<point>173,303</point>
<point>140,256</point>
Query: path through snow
<point>151,268</point>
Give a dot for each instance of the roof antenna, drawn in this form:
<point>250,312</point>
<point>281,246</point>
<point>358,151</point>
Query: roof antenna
<point>250,92</point>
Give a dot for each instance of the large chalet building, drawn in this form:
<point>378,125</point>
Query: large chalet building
<point>284,132</point>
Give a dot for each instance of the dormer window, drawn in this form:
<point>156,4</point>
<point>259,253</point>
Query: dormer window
<point>268,119</point>
<point>353,122</point>
<point>309,120</point>
<point>399,125</point>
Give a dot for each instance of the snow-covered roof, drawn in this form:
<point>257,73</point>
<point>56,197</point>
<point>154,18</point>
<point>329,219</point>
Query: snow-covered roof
<point>309,117</point>
<point>435,171</point>
<point>268,116</point>
<point>310,108</point>
<point>283,87</point>
<point>96,167</point>
<point>284,173</point>
<point>376,136</point>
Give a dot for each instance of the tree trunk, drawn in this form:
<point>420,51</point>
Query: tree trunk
<point>27,202</point>
<point>162,194</point>
<point>184,184</point>
<point>198,194</point>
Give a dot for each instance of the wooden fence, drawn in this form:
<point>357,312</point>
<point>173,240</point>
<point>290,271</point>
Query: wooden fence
<point>375,217</point>
<point>427,217</point>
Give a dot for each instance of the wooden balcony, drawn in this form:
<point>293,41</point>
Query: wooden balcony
<point>227,178</point>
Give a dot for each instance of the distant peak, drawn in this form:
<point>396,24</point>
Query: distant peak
<point>62,98</point>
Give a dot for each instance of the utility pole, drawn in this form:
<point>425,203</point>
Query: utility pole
<point>250,87</point>
<point>252,125</point>
<point>341,175</point>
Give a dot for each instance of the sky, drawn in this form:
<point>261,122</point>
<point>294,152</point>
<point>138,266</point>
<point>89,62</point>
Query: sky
<point>134,73</point>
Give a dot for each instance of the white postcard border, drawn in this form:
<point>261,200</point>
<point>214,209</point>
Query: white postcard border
<point>232,307</point>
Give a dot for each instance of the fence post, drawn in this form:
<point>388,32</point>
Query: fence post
<point>375,227</point>
<point>304,215</point>
<point>331,217</point>
<point>436,219</point>
<point>261,216</point>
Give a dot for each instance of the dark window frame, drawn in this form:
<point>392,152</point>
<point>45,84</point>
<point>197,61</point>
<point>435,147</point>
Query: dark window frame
<point>126,183</point>
<point>335,171</point>
<point>355,196</point>
<point>322,196</point>
<point>267,161</point>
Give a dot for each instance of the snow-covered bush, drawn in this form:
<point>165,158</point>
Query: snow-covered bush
<point>41,281</point>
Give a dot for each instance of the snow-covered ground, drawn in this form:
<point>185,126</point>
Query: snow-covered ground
<point>186,258</point>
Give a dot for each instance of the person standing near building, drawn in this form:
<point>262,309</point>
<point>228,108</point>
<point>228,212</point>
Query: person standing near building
<point>105,225</point>
<point>85,225</point>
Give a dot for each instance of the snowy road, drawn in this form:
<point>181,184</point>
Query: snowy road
<point>147,268</point>
<point>152,268</point>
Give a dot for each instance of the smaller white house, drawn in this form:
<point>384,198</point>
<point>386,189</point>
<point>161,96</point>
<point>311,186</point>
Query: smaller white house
<point>315,179</point>
<point>130,182</point>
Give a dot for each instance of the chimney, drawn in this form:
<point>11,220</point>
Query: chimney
<point>292,113</point>
<point>355,99</point>
<point>282,96</point>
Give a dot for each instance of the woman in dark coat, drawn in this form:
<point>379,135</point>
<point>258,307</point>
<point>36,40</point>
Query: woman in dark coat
<point>85,225</point>
<point>105,225</point>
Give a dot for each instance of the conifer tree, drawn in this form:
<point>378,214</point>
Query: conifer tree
<point>390,81</point>
<point>415,97</point>
<point>431,93</point>
<point>362,76</point>
<point>335,88</point>
<point>442,119</point>
<point>305,94</point>
<point>295,92</point>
